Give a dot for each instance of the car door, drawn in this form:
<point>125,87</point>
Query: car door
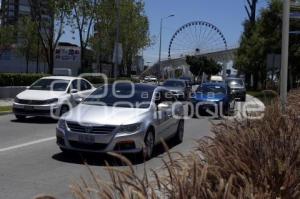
<point>172,111</point>
<point>75,97</point>
<point>163,115</point>
<point>85,88</point>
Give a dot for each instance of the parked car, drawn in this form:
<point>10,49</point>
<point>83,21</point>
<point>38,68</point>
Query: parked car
<point>188,80</point>
<point>124,123</point>
<point>180,88</point>
<point>212,96</point>
<point>237,88</point>
<point>150,80</point>
<point>51,96</point>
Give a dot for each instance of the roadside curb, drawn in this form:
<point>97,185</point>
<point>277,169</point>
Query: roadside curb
<point>5,113</point>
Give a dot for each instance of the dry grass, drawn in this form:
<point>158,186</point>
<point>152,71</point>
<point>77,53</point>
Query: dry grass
<point>246,159</point>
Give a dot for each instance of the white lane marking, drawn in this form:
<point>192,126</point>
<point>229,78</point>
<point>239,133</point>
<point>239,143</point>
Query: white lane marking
<point>27,144</point>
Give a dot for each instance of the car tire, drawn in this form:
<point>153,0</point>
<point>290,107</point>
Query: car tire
<point>64,109</point>
<point>178,138</point>
<point>149,145</point>
<point>20,117</point>
<point>243,99</point>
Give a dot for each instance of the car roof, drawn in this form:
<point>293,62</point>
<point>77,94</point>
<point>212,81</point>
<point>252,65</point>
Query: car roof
<point>178,80</point>
<point>234,78</point>
<point>139,86</point>
<point>214,84</point>
<point>61,78</point>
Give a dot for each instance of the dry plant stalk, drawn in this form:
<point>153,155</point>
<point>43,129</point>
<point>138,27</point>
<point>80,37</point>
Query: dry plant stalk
<point>251,159</point>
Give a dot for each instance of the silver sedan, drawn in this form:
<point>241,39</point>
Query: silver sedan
<point>122,118</point>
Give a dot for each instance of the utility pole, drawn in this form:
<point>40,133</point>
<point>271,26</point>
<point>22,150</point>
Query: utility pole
<point>160,45</point>
<point>284,54</point>
<point>116,64</point>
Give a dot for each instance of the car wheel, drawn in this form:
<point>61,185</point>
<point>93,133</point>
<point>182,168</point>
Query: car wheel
<point>64,109</point>
<point>180,132</point>
<point>20,117</point>
<point>149,145</point>
<point>243,99</point>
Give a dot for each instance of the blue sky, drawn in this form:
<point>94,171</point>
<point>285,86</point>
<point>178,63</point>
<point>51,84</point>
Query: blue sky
<point>227,15</point>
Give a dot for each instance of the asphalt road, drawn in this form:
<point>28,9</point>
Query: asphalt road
<point>32,164</point>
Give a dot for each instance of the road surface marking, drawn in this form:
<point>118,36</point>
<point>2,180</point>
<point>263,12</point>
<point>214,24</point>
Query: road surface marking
<point>27,144</point>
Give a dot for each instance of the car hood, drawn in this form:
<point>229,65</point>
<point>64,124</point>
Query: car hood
<point>104,115</point>
<point>237,87</point>
<point>174,88</point>
<point>206,97</point>
<point>39,95</point>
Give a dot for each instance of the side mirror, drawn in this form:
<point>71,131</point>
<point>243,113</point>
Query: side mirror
<point>162,106</point>
<point>74,91</point>
<point>79,100</point>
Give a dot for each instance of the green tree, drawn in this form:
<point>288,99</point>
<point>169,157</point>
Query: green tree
<point>265,38</point>
<point>200,64</point>
<point>50,29</point>
<point>134,30</point>
<point>28,39</point>
<point>83,12</point>
<point>7,38</point>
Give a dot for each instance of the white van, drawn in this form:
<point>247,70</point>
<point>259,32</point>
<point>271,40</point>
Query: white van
<point>216,79</point>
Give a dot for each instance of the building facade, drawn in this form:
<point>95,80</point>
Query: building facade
<point>12,10</point>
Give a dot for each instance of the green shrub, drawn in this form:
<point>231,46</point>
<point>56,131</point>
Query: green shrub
<point>18,79</point>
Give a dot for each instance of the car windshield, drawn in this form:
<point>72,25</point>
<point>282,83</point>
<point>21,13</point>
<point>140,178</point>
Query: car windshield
<point>122,96</point>
<point>211,89</point>
<point>174,83</point>
<point>50,85</point>
<point>235,82</point>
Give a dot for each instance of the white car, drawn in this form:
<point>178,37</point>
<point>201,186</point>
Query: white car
<point>51,96</point>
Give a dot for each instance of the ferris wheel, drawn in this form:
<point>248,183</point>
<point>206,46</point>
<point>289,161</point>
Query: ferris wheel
<point>196,38</point>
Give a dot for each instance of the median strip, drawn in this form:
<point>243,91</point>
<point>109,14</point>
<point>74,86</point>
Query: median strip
<point>5,109</point>
<point>27,144</point>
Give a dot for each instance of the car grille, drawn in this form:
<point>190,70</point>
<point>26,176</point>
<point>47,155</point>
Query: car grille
<point>75,127</point>
<point>94,147</point>
<point>32,102</point>
<point>31,112</point>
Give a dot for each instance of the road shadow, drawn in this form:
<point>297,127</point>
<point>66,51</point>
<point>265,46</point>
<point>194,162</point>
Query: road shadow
<point>103,159</point>
<point>35,120</point>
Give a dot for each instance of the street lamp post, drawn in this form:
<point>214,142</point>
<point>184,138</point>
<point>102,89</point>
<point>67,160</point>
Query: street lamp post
<point>284,54</point>
<point>160,44</point>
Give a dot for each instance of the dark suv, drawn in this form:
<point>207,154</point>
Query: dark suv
<point>237,88</point>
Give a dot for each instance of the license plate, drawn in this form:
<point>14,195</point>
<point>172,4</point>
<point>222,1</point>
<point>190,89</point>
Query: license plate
<point>29,108</point>
<point>89,139</point>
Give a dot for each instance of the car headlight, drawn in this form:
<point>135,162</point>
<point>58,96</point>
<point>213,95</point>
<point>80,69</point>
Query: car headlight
<point>51,101</point>
<point>132,128</point>
<point>62,124</point>
<point>17,100</point>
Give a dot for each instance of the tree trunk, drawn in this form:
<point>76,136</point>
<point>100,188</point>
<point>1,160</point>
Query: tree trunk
<point>27,64</point>
<point>51,61</point>
<point>82,59</point>
<point>38,56</point>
